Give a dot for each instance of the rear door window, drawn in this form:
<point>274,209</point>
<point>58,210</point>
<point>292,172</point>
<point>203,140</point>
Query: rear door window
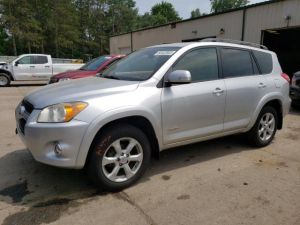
<point>264,61</point>
<point>40,60</point>
<point>236,63</point>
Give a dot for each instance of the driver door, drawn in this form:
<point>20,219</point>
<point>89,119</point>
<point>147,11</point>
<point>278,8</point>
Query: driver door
<point>194,110</point>
<point>23,68</point>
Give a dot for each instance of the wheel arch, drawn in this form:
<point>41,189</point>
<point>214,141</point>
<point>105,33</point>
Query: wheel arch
<point>277,105</point>
<point>144,122</point>
<point>7,73</point>
<point>276,101</point>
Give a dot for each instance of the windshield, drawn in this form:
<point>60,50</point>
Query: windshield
<point>140,65</point>
<point>95,63</point>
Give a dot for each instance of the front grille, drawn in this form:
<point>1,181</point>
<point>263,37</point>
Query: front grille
<point>25,109</point>
<point>28,106</point>
<point>22,123</point>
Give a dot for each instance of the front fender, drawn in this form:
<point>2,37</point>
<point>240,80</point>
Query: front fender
<point>110,116</point>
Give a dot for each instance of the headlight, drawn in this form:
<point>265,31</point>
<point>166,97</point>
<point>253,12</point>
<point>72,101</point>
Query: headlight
<point>63,79</point>
<point>60,113</point>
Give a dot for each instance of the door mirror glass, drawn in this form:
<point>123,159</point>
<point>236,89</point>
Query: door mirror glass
<point>16,63</point>
<point>179,77</point>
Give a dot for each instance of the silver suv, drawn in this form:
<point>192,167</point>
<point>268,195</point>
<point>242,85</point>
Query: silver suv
<point>154,99</point>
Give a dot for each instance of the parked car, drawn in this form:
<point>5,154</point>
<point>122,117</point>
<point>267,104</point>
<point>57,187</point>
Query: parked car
<point>155,99</point>
<point>93,67</point>
<point>295,90</point>
<point>32,67</point>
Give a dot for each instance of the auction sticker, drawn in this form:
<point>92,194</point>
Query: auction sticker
<point>164,53</point>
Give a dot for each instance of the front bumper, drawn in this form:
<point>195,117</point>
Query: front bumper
<point>41,138</point>
<point>52,80</point>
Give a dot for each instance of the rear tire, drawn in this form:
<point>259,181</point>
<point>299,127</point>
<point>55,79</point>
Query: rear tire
<point>119,157</point>
<point>4,80</point>
<point>264,129</point>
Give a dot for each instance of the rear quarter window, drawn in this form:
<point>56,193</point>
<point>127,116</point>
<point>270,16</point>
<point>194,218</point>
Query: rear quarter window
<point>264,61</point>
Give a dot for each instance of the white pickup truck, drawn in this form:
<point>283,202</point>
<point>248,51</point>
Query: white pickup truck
<point>32,67</point>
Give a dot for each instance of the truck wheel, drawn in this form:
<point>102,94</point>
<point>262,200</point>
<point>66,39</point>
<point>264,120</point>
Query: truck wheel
<point>265,127</point>
<point>119,157</point>
<point>4,80</point>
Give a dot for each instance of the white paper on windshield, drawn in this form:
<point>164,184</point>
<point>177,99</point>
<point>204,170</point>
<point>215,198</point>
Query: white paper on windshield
<point>164,53</point>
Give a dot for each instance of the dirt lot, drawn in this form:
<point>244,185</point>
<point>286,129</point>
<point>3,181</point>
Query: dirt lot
<point>222,182</point>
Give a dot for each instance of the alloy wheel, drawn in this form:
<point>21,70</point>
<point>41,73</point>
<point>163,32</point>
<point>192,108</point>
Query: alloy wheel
<point>266,126</point>
<point>122,159</point>
<point>3,80</point>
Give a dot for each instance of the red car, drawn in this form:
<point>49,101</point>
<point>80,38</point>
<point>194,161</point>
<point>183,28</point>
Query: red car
<point>90,69</point>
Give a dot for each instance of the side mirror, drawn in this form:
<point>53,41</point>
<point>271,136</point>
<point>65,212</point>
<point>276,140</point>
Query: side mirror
<point>179,77</point>
<point>16,63</point>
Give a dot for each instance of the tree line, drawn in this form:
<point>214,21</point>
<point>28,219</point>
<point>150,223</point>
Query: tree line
<point>80,28</point>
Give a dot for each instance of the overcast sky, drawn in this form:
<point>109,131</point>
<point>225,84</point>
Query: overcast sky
<point>183,7</point>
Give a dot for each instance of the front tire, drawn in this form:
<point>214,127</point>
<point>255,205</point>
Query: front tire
<point>4,80</point>
<point>119,157</point>
<point>265,127</point>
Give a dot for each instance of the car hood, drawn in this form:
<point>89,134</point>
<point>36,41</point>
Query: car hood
<point>78,90</point>
<point>74,74</point>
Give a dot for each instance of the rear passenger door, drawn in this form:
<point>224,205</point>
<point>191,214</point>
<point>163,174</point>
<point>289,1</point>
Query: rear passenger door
<point>245,86</point>
<point>42,69</point>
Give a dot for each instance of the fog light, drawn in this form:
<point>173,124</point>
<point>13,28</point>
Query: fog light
<point>58,149</point>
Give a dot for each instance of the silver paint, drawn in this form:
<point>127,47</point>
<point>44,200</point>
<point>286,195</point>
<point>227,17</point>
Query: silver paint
<point>179,114</point>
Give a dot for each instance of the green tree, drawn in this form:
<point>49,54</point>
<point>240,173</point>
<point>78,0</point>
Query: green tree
<point>4,40</point>
<point>62,27</point>
<point>41,12</point>
<point>195,13</point>
<point>160,13</point>
<point>122,14</point>
<point>29,26</point>
<point>146,20</point>
<point>223,5</point>
<point>164,12</point>
<point>17,18</point>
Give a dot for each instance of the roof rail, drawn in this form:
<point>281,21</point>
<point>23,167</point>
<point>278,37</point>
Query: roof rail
<point>234,42</point>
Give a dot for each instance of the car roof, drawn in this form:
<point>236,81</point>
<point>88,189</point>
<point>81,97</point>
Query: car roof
<point>210,43</point>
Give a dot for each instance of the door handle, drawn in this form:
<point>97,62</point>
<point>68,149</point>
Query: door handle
<point>32,66</point>
<point>262,85</point>
<point>218,91</point>
<point>47,66</point>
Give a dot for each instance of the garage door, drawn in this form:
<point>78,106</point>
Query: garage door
<point>286,43</point>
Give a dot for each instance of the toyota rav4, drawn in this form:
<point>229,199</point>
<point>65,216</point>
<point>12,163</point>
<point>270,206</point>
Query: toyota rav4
<point>155,99</point>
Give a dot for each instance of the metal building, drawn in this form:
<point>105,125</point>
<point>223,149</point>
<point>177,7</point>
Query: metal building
<point>275,24</point>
